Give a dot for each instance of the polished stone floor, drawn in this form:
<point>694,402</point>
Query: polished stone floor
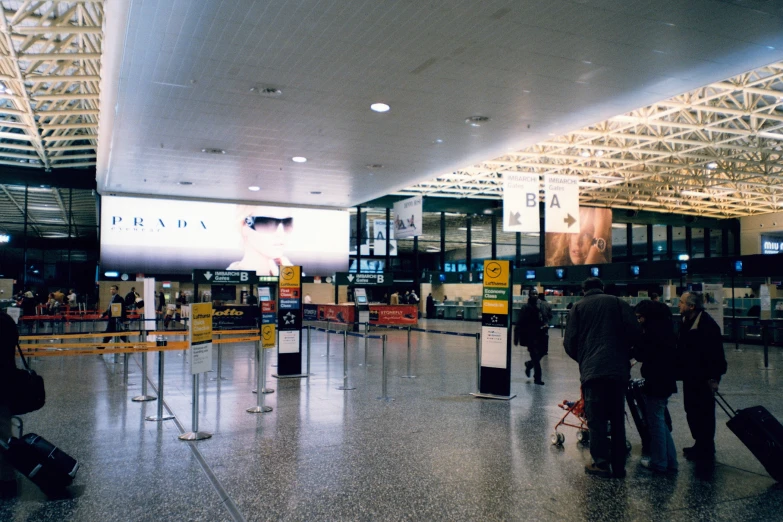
<point>433,453</point>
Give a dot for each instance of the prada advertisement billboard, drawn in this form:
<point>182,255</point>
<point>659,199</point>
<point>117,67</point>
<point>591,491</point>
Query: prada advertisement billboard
<point>171,236</point>
<point>591,246</point>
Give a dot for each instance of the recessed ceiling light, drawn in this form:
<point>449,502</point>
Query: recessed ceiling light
<point>299,159</point>
<point>587,62</point>
<point>380,107</point>
<point>213,151</point>
<point>184,183</point>
<point>599,153</point>
<point>254,188</point>
<point>771,48</point>
<point>712,165</point>
<point>526,91</point>
<point>315,192</point>
<point>584,154</point>
<point>438,141</point>
<point>476,121</point>
<point>374,166</point>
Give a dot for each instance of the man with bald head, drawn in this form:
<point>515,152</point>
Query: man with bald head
<point>702,363</point>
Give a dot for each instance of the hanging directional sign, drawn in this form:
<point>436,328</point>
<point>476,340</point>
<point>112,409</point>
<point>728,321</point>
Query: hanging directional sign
<point>349,279</point>
<point>224,277</point>
<point>520,203</point>
<point>562,203</point>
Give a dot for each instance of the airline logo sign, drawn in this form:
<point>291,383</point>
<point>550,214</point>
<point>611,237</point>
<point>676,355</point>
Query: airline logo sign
<point>347,279</point>
<point>520,202</point>
<point>290,277</point>
<point>229,277</point>
<point>200,338</point>
<point>496,274</point>
<point>268,336</point>
<point>562,204</point>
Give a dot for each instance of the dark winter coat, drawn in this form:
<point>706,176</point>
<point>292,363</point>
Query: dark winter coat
<point>700,349</point>
<point>656,351</point>
<point>532,329</point>
<point>600,332</point>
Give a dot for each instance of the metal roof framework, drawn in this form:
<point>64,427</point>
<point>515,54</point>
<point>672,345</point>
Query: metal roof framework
<point>50,55</point>
<point>713,152</point>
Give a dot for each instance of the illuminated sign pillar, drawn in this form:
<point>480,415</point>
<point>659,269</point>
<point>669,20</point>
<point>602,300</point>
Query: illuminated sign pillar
<point>495,359</point>
<point>289,323</point>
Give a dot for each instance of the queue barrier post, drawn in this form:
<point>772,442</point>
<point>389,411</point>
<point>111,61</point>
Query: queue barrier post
<point>384,396</point>
<point>366,340</point>
<point>327,340</point>
<point>478,362</point>
<point>144,397</point>
<point>408,373</point>
<point>261,370</point>
<point>160,416</point>
<point>345,386</point>
<point>219,362</point>
<point>308,349</point>
<point>195,434</point>
<point>765,339</point>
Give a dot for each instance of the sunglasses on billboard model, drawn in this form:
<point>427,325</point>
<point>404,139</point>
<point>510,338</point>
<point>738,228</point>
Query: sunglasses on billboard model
<point>269,224</point>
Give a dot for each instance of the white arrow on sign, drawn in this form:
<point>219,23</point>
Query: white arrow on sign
<point>562,203</point>
<point>207,275</point>
<point>350,278</point>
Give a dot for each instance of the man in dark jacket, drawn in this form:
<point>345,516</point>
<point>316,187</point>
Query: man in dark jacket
<point>601,329</point>
<point>114,322</point>
<point>532,330</point>
<point>702,363</point>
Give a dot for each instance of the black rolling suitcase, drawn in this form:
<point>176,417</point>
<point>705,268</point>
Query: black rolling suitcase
<point>50,468</point>
<point>760,432</point>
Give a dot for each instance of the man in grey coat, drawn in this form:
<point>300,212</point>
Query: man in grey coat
<point>601,330</point>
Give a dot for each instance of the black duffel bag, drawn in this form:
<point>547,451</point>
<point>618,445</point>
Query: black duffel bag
<point>29,393</point>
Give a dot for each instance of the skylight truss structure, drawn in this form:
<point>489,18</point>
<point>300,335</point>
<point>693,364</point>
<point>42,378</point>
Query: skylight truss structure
<point>714,151</point>
<point>50,54</point>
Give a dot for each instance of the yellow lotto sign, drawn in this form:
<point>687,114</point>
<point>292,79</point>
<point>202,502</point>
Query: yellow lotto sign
<point>495,307</point>
<point>496,274</point>
<point>116,310</point>
<point>267,336</point>
<point>201,323</point>
<point>289,277</point>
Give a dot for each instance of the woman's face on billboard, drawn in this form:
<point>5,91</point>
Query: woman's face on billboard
<point>268,236</point>
<point>578,246</point>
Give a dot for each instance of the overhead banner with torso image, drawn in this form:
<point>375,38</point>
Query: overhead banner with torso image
<point>591,246</point>
<point>172,236</point>
<point>407,218</point>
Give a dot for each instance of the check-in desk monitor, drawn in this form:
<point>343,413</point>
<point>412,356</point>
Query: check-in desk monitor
<point>362,306</point>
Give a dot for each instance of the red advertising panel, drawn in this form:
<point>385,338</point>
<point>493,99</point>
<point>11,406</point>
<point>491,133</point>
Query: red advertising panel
<point>336,313</point>
<point>289,293</point>
<point>267,306</point>
<point>394,314</point>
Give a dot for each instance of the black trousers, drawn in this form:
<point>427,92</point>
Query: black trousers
<point>605,404</point>
<point>700,412</point>
<point>111,327</point>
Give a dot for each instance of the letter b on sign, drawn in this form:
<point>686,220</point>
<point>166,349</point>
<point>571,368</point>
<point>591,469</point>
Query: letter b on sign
<point>380,278</point>
<point>243,276</point>
<point>531,200</point>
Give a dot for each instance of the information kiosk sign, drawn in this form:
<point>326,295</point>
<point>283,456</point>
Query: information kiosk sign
<point>289,322</point>
<point>495,372</point>
<point>200,337</point>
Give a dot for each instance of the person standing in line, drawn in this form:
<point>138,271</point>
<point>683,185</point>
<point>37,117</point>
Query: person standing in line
<point>600,331</point>
<point>700,350</point>
<point>395,298</point>
<point>161,302</point>
<point>9,338</point>
<point>655,350</point>
<point>308,299</point>
<point>72,298</point>
<point>113,322</point>
<point>430,306</point>
<point>532,331</point>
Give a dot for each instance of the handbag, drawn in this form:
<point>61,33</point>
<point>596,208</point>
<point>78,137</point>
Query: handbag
<point>29,393</point>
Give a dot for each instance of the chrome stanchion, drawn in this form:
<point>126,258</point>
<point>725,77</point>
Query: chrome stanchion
<point>195,434</point>
<point>327,340</point>
<point>125,357</point>
<point>219,363</point>
<point>478,362</point>
<point>408,373</point>
<point>366,340</point>
<point>345,385</point>
<point>160,416</point>
<point>260,360</point>
<point>144,397</point>
<point>308,350</point>
<point>384,396</point>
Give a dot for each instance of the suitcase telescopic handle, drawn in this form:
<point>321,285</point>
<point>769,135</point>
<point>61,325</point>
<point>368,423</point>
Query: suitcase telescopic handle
<point>721,401</point>
<point>20,425</point>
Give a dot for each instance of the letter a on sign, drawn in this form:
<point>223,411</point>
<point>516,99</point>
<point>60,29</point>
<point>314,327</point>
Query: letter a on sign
<point>562,203</point>
<point>520,202</point>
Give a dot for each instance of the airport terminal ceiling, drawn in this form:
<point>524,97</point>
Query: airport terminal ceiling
<point>208,99</point>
